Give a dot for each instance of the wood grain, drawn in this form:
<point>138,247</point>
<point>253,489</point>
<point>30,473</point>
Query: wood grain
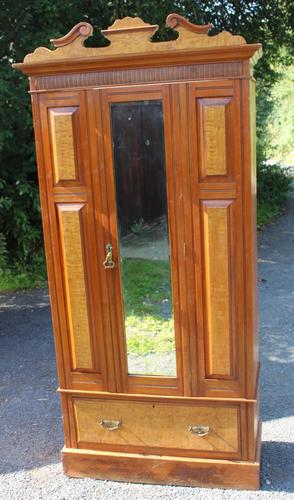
<point>216,113</point>
<point>158,426</point>
<point>223,192</point>
<point>250,234</point>
<point>213,128</point>
<point>78,192</point>
<point>64,160</point>
<point>216,228</point>
<point>70,222</point>
<point>161,470</point>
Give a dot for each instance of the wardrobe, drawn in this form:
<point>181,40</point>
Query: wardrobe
<point>146,164</point>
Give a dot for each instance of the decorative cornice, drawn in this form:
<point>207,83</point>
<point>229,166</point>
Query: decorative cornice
<point>136,40</point>
<point>129,24</point>
<point>174,21</point>
<point>81,30</point>
<point>130,38</point>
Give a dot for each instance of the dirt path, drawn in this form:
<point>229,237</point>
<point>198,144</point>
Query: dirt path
<point>31,426</point>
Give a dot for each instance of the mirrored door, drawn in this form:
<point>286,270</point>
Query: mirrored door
<point>140,180</point>
<point>144,273</point>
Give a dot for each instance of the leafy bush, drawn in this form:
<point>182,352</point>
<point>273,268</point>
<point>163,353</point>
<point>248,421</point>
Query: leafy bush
<point>20,219</point>
<point>19,276</point>
<point>32,24</point>
<point>281,119</point>
<point>3,253</point>
<point>273,185</point>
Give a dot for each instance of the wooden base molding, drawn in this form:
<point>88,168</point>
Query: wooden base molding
<point>177,471</point>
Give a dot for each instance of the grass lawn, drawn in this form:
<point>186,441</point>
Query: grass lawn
<point>147,300</point>
<point>22,277</point>
<point>148,306</point>
<point>266,213</point>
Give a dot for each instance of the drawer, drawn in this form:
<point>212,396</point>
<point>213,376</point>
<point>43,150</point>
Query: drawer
<point>160,427</point>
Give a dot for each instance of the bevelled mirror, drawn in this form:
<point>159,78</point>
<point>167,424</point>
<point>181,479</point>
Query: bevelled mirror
<point>141,200</point>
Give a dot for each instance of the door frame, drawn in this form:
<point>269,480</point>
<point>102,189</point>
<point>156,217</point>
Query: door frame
<point>177,178</point>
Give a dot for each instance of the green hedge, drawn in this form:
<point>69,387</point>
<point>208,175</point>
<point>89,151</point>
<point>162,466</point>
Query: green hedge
<point>273,185</point>
<point>32,24</point>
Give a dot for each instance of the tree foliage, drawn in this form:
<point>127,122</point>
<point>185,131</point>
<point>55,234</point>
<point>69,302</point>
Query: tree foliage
<point>31,24</point>
<point>281,119</point>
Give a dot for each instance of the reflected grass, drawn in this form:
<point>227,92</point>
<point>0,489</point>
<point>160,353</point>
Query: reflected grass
<point>148,306</point>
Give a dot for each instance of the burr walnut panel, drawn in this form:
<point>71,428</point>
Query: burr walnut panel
<point>213,136</point>
<point>216,220</point>
<point>70,225</point>
<point>157,426</point>
<point>215,119</point>
<point>62,136</point>
<point>63,120</point>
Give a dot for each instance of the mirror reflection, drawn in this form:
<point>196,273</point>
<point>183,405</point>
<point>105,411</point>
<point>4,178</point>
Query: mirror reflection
<point>139,164</point>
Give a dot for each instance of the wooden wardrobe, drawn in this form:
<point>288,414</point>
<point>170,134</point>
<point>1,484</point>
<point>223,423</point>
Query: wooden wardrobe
<point>146,161</point>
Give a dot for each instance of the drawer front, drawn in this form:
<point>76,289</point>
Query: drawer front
<point>165,428</point>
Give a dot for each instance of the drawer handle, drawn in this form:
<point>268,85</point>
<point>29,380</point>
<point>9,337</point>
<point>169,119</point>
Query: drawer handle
<point>110,425</point>
<point>199,430</point>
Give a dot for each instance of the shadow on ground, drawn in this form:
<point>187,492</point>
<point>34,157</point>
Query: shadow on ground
<point>31,434</point>
<point>31,425</point>
<point>277,466</point>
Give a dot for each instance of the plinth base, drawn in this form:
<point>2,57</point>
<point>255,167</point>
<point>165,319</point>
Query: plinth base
<point>155,469</point>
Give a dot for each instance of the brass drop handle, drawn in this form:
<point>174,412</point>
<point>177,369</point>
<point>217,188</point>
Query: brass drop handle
<point>199,430</point>
<point>108,263</point>
<point>110,425</point>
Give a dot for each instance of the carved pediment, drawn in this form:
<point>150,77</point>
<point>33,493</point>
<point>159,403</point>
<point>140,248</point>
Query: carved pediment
<point>132,36</point>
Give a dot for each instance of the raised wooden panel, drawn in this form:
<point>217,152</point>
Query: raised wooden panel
<point>157,426</point>
<point>70,224</point>
<point>215,142</point>
<point>215,139</point>
<point>216,179</point>
<point>213,136</point>
<point>63,148</point>
<point>216,220</point>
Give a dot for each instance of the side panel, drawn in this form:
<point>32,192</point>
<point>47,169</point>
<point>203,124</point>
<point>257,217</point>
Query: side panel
<point>250,243</point>
<point>216,219</point>
<point>73,240</point>
<point>216,180</point>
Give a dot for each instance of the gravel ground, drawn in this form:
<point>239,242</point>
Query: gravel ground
<point>31,425</point>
